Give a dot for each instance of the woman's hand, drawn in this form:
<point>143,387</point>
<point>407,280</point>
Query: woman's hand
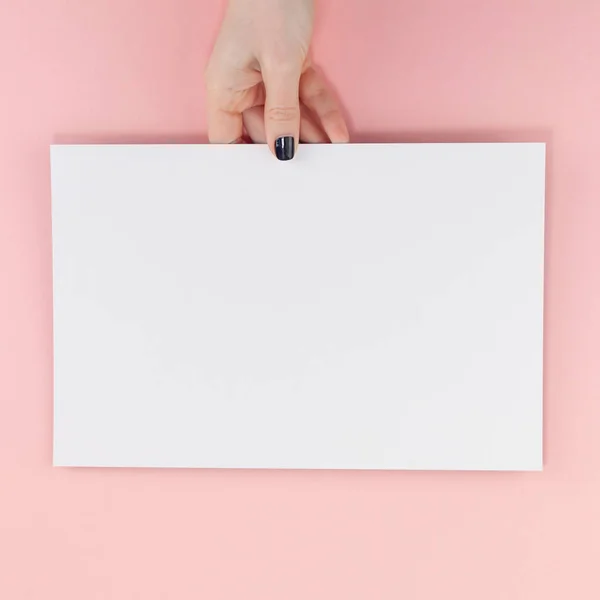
<point>261,84</point>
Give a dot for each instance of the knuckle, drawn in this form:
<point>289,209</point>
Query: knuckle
<point>320,95</point>
<point>214,75</point>
<point>330,114</point>
<point>283,114</point>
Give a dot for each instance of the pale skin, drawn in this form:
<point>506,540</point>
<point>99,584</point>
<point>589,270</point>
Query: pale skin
<point>261,85</point>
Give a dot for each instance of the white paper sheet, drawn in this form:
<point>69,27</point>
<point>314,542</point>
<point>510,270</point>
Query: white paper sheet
<point>359,307</point>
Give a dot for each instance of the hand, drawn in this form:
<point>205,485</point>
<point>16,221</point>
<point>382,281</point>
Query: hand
<point>260,81</point>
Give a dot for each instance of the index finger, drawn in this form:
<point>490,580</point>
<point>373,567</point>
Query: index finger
<point>224,126</point>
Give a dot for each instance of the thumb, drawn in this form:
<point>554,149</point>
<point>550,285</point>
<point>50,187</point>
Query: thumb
<point>282,110</point>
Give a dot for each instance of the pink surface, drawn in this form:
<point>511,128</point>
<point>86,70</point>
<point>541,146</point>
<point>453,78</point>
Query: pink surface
<point>130,70</point>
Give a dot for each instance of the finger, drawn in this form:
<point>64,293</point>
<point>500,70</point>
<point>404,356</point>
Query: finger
<point>282,110</point>
<point>254,123</point>
<point>317,96</point>
<point>310,132</point>
<point>245,139</point>
<point>225,113</point>
<point>224,126</point>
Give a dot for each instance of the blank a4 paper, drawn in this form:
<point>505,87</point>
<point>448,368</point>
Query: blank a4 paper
<point>358,307</point>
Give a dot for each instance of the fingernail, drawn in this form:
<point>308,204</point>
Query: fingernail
<point>284,147</point>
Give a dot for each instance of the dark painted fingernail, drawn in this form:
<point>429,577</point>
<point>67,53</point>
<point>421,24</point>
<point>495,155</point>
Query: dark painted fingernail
<point>284,147</point>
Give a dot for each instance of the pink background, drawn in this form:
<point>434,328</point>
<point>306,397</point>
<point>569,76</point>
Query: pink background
<point>130,70</point>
